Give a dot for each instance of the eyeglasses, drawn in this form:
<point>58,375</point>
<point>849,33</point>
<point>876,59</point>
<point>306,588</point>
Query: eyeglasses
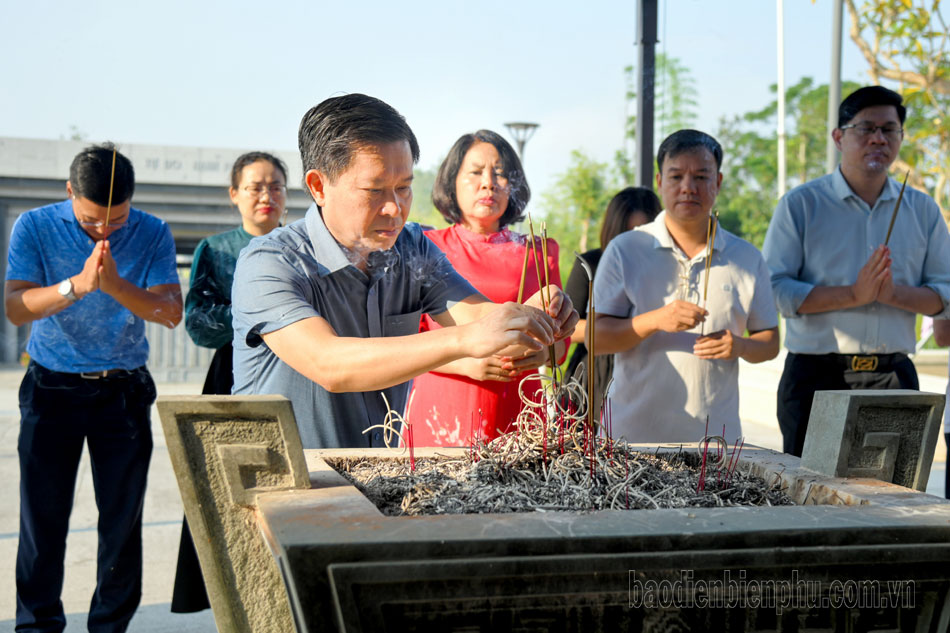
<point>864,130</point>
<point>100,224</point>
<point>274,191</point>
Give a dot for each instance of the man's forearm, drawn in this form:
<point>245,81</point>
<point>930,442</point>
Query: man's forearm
<point>916,300</point>
<point>760,346</point>
<point>25,305</point>
<point>160,304</point>
<point>345,364</point>
<point>613,334</point>
<point>828,299</point>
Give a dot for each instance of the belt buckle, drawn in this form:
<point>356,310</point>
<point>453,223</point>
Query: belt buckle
<point>863,363</point>
<point>94,375</point>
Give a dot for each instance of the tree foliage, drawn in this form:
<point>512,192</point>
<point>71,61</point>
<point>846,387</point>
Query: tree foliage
<point>907,46</point>
<point>575,204</point>
<point>423,211</point>
<point>750,167</point>
<point>675,99</point>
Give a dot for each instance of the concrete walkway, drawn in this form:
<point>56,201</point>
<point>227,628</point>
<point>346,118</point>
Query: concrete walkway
<point>161,531</point>
<point>163,509</point>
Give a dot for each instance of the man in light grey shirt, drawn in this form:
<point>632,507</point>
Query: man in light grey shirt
<point>326,311</point>
<point>850,301</point>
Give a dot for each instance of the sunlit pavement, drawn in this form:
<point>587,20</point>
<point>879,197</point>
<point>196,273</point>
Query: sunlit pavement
<point>161,531</point>
<point>163,509</point>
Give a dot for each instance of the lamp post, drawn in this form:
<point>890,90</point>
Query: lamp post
<point>521,132</point>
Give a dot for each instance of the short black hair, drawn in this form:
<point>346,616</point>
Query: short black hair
<point>249,159</point>
<point>683,141</point>
<point>443,191</point>
<point>623,205</point>
<point>334,129</point>
<point>91,172</point>
<point>867,97</point>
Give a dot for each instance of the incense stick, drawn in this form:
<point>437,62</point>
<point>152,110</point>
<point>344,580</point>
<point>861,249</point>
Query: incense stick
<point>896,209</point>
<point>544,257</point>
<point>105,227</point>
<point>590,338</point>
<point>524,272</point>
<point>710,241</point>
<point>534,251</point>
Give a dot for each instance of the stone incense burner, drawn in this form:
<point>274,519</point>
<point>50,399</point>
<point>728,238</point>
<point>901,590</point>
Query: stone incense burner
<point>286,543</point>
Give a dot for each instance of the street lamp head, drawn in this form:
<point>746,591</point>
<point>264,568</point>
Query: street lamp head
<point>521,131</point>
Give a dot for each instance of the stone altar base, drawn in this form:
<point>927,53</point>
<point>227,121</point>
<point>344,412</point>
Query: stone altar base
<point>827,567</point>
<point>855,555</point>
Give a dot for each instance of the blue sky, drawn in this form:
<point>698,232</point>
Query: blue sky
<point>241,74</point>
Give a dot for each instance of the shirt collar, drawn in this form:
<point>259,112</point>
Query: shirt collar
<point>843,190</point>
<point>325,247</point>
<point>657,228</point>
<point>333,255</point>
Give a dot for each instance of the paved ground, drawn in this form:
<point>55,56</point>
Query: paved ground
<point>163,510</point>
<point>161,531</point>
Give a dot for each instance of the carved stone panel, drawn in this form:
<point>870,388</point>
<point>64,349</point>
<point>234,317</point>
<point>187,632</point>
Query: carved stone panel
<point>888,435</point>
<point>225,450</point>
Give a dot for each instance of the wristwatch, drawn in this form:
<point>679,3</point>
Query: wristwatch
<point>66,289</point>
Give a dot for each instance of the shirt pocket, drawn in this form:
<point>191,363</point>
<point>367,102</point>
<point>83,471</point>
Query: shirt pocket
<point>402,324</point>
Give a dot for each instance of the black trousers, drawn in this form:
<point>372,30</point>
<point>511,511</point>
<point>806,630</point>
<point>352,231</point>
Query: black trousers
<point>807,373</point>
<point>59,412</point>
<point>946,474</point>
<point>189,594</point>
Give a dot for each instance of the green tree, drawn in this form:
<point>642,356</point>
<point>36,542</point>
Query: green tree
<point>575,204</point>
<point>675,99</point>
<point>906,44</point>
<point>423,211</point>
<point>750,166</point>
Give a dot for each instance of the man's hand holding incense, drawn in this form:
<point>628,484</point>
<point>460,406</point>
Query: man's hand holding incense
<point>510,329</point>
<point>88,278</point>
<point>109,280</point>
<point>561,309</point>
<point>678,316</point>
<point>872,276</point>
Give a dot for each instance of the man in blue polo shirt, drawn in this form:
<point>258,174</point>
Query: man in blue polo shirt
<point>87,274</point>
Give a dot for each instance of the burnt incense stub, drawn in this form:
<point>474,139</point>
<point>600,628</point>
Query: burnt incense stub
<point>888,435</point>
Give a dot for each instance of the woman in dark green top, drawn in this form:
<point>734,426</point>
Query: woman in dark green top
<point>259,191</point>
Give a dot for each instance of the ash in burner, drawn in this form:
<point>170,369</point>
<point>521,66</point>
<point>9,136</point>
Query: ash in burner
<point>499,479</point>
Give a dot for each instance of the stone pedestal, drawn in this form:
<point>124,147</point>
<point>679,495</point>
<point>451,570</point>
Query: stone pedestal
<point>888,435</point>
<point>853,555</point>
<point>227,450</point>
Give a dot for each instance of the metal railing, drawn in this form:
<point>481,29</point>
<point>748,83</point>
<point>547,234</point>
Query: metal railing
<point>173,356</point>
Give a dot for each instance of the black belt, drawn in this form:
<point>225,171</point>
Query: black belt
<point>867,362</point>
<point>105,373</point>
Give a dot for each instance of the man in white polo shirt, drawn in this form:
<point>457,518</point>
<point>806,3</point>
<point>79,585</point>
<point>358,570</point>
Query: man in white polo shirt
<point>677,355</point>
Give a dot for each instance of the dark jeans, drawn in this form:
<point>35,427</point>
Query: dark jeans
<point>807,373</point>
<point>59,412</point>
